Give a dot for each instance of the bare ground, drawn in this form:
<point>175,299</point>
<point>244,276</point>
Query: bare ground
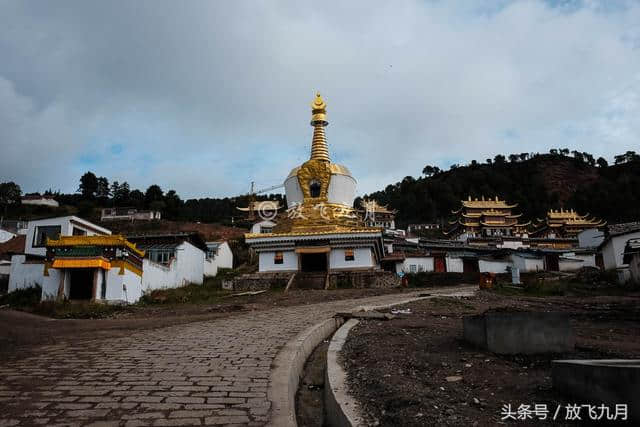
<point>398,369</point>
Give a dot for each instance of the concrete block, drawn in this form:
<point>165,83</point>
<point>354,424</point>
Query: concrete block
<point>610,381</point>
<point>520,332</point>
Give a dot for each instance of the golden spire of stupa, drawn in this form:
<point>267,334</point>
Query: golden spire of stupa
<point>319,148</point>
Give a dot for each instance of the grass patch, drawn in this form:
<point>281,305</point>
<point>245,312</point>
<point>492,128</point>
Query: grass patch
<point>28,299</point>
<point>22,298</point>
<point>210,292</point>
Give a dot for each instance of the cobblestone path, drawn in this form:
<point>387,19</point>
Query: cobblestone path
<point>206,373</point>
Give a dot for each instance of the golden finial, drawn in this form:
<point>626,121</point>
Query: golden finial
<point>319,148</point>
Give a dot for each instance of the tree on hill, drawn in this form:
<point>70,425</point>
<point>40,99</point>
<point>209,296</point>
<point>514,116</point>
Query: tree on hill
<point>153,194</point>
<point>10,194</point>
<point>602,162</point>
<point>88,185</point>
<point>102,189</point>
<point>136,199</point>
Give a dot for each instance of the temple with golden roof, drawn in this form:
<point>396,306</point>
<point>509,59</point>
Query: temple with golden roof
<point>320,231</point>
<point>376,215</point>
<point>564,224</point>
<point>486,218</point>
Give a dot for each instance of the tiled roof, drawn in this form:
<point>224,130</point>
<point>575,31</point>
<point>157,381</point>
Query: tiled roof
<point>624,228</point>
<point>13,246</point>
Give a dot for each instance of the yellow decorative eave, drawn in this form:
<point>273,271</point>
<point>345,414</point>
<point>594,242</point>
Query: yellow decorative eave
<point>122,264</point>
<point>312,233</point>
<point>81,263</point>
<point>112,240</point>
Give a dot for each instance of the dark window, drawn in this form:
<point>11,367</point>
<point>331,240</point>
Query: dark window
<point>278,258</point>
<point>45,232</point>
<point>348,255</point>
<point>314,188</point>
<point>161,256</point>
<point>78,232</point>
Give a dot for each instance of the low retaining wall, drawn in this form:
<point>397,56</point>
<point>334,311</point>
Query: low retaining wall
<point>614,381</point>
<point>520,332</point>
<point>341,410</point>
<point>288,368</point>
<point>337,280</point>
<point>257,282</point>
<point>363,279</point>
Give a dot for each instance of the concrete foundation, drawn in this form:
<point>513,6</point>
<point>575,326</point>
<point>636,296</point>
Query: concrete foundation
<point>614,381</point>
<point>520,332</point>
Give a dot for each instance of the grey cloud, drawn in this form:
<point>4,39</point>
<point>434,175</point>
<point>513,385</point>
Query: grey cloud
<point>200,86</point>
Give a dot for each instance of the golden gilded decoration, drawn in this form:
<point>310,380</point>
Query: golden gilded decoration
<point>112,240</point>
<point>125,265</point>
<point>82,263</point>
<point>318,171</point>
<point>335,170</point>
<point>319,147</point>
<point>313,233</point>
<point>318,111</point>
<point>487,203</point>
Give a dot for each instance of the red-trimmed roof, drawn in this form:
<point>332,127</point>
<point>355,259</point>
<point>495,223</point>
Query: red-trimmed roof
<point>13,246</point>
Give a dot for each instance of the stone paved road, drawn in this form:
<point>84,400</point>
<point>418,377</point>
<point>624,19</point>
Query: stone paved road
<point>205,373</point>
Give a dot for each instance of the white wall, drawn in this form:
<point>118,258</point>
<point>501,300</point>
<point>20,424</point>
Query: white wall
<point>527,264</point>
<point>210,267</point>
<point>158,276</point>
<point>342,190</point>
<point>222,259</point>
<point>570,264</point>
<point>454,265</point>
<point>590,238</point>
<point>67,224</point>
<point>289,261</point>
<point>41,202</point>
<point>129,284</point>
<point>190,264</point>
<point>255,228</point>
<point>5,235</point>
<point>493,266</point>
<point>26,275</point>
<point>293,191</point>
<point>588,260</point>
<point>362,258</point>
<point>187,267</point>
<point>425,262</point>
<point>612,251</point>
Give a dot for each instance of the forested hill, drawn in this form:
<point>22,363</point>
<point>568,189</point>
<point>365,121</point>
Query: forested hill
<point>537,184</point>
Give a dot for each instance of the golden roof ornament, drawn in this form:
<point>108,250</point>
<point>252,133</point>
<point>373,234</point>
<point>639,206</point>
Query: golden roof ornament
<point>319,147</point>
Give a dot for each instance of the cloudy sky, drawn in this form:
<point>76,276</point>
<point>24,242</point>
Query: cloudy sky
<point>205,96</point>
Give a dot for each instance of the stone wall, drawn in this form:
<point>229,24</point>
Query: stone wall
<point>257,281</point>
<point>363,279</point>
<point>337,280</point>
